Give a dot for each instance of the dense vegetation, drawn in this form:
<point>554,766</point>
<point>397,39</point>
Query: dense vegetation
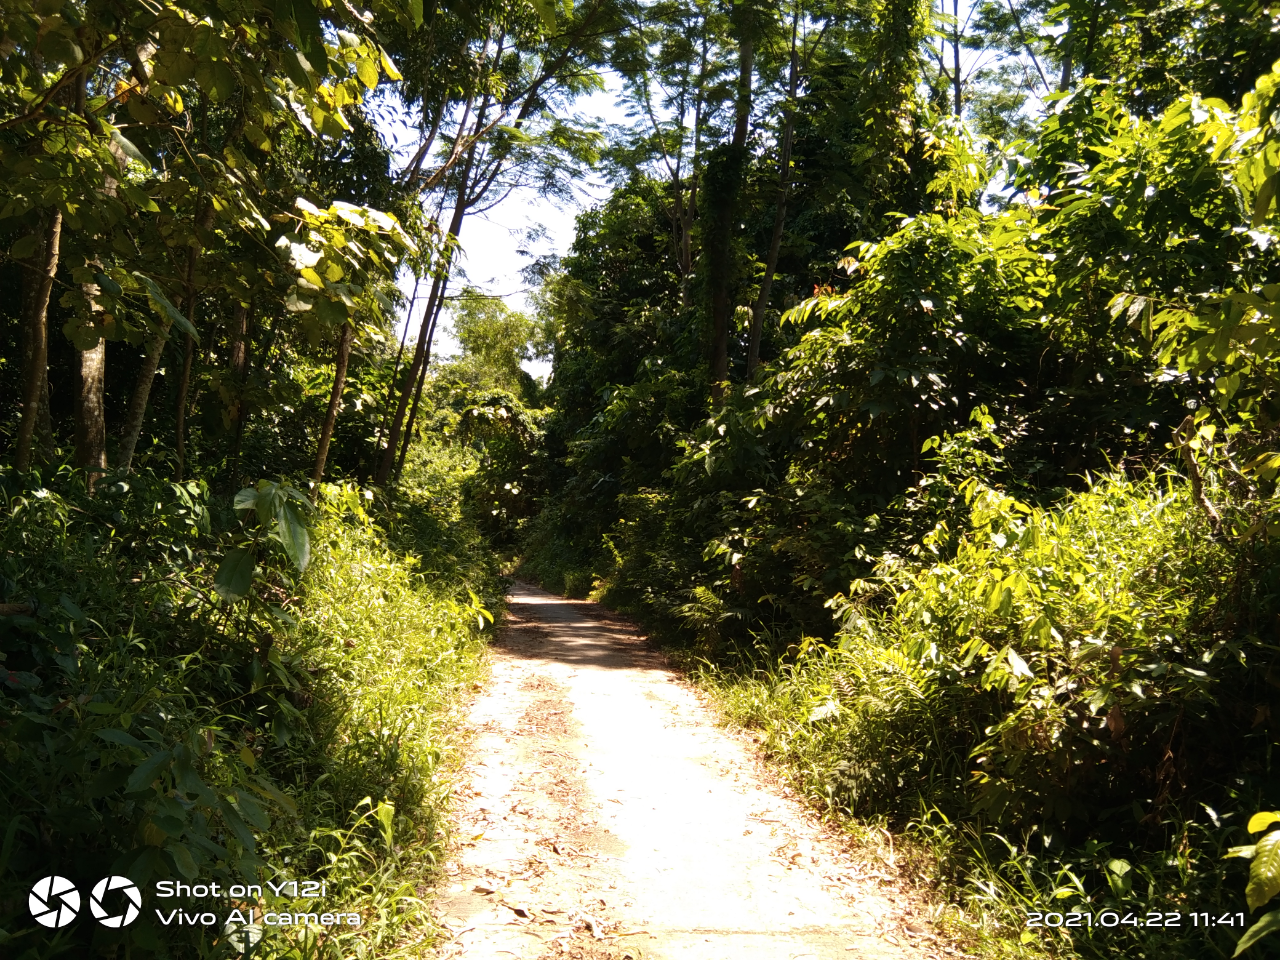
<point>916,380</point>
<point>931,410</point>
<point>216,665</point>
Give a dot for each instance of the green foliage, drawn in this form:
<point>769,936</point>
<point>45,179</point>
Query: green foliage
<point>154,729</point>
<point>495,341</point>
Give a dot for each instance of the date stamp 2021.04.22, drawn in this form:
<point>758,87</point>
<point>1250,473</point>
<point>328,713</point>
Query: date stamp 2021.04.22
<point>1109,919</point>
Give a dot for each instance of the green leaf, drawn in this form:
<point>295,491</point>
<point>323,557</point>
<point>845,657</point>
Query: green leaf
<point>293,534</point>
<point>235,574</point>
<point>128,149</point>
<point>250,810</point>
<point>183,860</point>
<point>1264,874</point>
<point>367,71</point>
<point>165,308</point>
<point>272,793</point>
<point>546,10</point>
<point>139,199</point>
<point>246,499</point>
<point>69,606</point>
<point>1260,821</point>
<point>112,735</point>
<point>25,247</point>
<point>1268,924</point>
<point>107,285</point>
<point>147,771</point>
<point>189,782</point>
<point>235,823</point>
<point>1266,194</point>
<point>388,67</point>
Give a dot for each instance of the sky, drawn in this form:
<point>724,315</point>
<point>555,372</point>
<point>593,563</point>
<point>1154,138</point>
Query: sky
<point>491,241</point>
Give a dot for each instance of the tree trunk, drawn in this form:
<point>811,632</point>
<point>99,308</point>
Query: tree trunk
<point>388,462</point>
<point>184,386</point>
<point>240,370</point>
<point>422,379</point>
<point>137,412</point>
<point>91,421</point>
<point>779,213</point>
<point>732,164</point>
<point>335,400</point>
<point>1068,44</point>
<point>419,354</point>
<point>957,78</point>
<point>131,430</point>
<point>395,367</point>
<point>35,378</point>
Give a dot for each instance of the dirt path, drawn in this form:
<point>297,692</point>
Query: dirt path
<point>604,815</point>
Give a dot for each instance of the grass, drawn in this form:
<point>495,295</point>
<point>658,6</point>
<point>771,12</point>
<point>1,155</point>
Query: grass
<point>309,732</point>
<point>1060,780</point>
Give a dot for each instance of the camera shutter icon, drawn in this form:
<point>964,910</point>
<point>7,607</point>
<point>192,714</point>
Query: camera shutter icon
<point>131,910</point>
<point>54,902</point>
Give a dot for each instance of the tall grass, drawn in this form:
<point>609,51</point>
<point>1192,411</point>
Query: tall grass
<point>1070,707</point>
<point>152,729</point>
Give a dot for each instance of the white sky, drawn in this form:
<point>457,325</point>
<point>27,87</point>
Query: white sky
<point>490,241</point>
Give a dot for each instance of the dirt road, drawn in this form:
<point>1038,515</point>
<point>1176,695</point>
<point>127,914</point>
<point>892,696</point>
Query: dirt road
<point>604,815</point>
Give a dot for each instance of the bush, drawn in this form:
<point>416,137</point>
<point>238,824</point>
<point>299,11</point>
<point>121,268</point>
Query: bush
<point>153,729</point>
<point>1094,680</point>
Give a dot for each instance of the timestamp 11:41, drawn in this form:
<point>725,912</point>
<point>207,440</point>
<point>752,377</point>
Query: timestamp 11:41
<point>1113,918</point>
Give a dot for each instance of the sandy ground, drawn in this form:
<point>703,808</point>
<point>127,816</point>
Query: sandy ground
<point>603,814</point>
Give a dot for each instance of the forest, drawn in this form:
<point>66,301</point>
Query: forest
<point>914,384</point>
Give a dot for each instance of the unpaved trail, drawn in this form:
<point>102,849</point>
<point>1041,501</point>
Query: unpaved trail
<point>605,815</point>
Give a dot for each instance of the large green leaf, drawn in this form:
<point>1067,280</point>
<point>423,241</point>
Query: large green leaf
<point>293,534</point>
<point>183,860</point>
<point>1264,874</point>
<point>246,499</point>
<point>1269,923</point>
<point>165,308</point>
<point>129,149</point>
<point>147,771</point>
<point>235,574</point>
<point>546,10</point>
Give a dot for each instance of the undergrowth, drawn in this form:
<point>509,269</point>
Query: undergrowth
<point>1068,709</point>
<point>152,728</point>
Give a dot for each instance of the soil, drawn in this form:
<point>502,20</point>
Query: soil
<point>605,814</point>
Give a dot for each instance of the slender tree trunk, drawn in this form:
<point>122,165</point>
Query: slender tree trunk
<point>91,421</point>
<point>36,375</point>
<point>1086,62</point>
<point>691,208</point>
<point>335,400</point>
<point>956,78</point>
<point>388,462</point>
<point>137,411</point>
<point>419,354</point>
<point>240,370</point>
<point>395,367</point>
<point>780,211</point>
<point>422,379</point>
<point>732,165</point>
<point>184,386</point>
<point>1068,44</point>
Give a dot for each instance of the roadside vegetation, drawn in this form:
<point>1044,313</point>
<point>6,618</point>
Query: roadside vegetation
<point>244,582</point>
<point>915,382</point>
<point>967,504</point>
